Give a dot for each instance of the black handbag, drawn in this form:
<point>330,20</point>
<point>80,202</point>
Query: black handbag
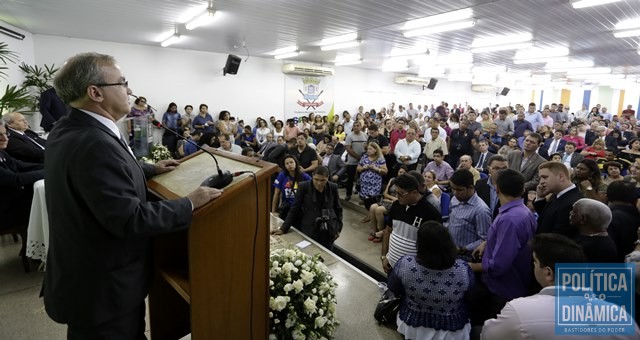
<point>387,309</point>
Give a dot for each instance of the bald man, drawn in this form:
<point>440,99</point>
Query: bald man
<point>24,144</point>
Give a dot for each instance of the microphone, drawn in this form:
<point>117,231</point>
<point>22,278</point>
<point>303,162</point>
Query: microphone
<point>151,107</point>
<point>219,180</point>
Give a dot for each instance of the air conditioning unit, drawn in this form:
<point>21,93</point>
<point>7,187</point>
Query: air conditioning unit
<point>483,88</point>
<point>406,80</point>
<point>306,70</point>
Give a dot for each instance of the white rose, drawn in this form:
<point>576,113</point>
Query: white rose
<point>290,322</point>
<point>287,288</point>
<point>320,311</point>
<point>281,302</point>
<point>298,335</point>
<point>276,321</point>
<point>275,264</point>
<point>307,277</point>
<point>298,263</point>
<point>320,321</point>
<point>289,253</point>
<point>273,337</point>
<point>314,290</point>
<point>332,307</point>
<point>298,286</point>
<point>288,267</point>
<point>271,283</point>
<point>309,306</point>
<point>271,314</point>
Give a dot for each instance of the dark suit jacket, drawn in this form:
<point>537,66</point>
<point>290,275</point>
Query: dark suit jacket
<point>100,263</point>
<point>575,158</point>
<point>547,145</point>
<point>484,192</point>
<point>610,142</point>
<point>22,148</point>
<point>52,109</point>
<point>16,186</point>
<point>336,166</point>
<point>485,163</point>
<point>530,170</point>
<point>554,215</point>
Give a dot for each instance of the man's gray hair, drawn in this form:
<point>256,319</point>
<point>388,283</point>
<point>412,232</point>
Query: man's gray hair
<point>6,119</point>
<point>78,72</point>
<point>595,212</point>
<point>2,121</point>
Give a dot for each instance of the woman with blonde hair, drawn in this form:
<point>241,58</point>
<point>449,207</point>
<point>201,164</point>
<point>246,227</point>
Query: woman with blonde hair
<point>371,169</point>
<point>595,151</point>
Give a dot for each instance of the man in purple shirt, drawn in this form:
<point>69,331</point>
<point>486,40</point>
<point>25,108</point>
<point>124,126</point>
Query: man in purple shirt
<point>442,169</point>
<point>506,256</point>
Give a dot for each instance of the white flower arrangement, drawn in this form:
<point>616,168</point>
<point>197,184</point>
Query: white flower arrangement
<point>158,153</point>
<point>303,296</point>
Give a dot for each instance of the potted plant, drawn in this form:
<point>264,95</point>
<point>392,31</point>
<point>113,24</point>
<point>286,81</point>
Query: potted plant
<point>14,97</point>
<point>37,80</point>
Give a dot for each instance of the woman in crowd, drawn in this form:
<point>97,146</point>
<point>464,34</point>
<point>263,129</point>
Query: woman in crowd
<point>512,145</point>
<point>379,118</point>
<point>378,211</point>
<point>339,133</point>
<point>432,285</point>
<point>454,121</point>
<point>224,124</point>
<point>307,134</point>
<point>613,170</point>
<point>286,185</point>
<point>594,113</point>
<point>325,139</point>
<point>388,127</point>
<point>210,139</point>
<point>545,132</point>
<point>278,129</point>
<point>574,137</point>
<point>304,123</point>
<point>360,118</point>
<point>316,210</point>
<point>586,176</point>
<point>595,151</point>
<point>187,117</point>
<point>372,169</point>
<point>139,109</point>
<point>431,184</point>
<point>485,121</point>
<point>262,132</point>
<point>633,152</point>
<point>171,119</point>
<point>248,139</point>
<point>319,129</point>
<point>203,122</point>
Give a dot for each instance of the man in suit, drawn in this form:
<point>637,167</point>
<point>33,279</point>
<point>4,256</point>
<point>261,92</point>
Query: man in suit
<point>569,157</point>
<point>554,210</point>
<point>51,108</point>
<point>16,185</point>
<point>601,133</point>
<point>527,160</point>
<point>555,144</point>
<point>24,144</point>
<point>481,157</point>
<point>99,265</point>
<point>337,168</point>
<point>486,187</point>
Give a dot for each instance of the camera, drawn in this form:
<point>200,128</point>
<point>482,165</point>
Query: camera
<point>323,221</point>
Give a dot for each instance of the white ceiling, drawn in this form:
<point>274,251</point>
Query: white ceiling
<point>263,26</point>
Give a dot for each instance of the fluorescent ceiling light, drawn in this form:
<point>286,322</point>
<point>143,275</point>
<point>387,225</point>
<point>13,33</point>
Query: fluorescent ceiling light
<point>348,62</point>
<point>588,3</point>
<point>460,77</point>
<point>347,44</point>
<point>285,50</point>
<point>539,55</point>
<point>171,40</point>
<point>489,69</point>
<point>439,19</point>
<point>499,48</point>
<point>589,70</point>
<point>201,19</point>
<point>502,40</point>
<point>431,71</point>
<point>287,55</point>
<point>540,60</point>
<point>627,33</point>
<point>563,66</point>
<point>454,59</point>
<point>440,28</point>
<point>599,76</point>
<point>628,24</point>
<point>339,39</point>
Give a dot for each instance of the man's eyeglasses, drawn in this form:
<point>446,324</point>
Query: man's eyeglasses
<point>124,83</point>
<point>402,194</point>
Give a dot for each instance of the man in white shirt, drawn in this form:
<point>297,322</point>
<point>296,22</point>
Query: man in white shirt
<point>533,317</point>
<point>407,150</point>
<point>401,113</point>
<point>434,143</point>
<point>582,114</point>
<point>226,144</point>
<point>413,113</point>
<point>347,122</point>
<point>434,123</point>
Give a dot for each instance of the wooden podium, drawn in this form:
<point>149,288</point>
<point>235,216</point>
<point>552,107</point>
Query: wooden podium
<point>212,280</point>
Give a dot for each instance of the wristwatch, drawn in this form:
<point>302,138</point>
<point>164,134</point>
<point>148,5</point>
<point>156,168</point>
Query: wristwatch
<point>589,188</point>
<point>383,257</point>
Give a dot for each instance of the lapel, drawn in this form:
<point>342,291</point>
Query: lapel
<point>530,161</point>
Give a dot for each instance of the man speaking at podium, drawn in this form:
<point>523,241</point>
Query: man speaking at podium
<point>99,265</point>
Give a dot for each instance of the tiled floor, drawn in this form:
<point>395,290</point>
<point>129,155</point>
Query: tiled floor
<point>22,314</point>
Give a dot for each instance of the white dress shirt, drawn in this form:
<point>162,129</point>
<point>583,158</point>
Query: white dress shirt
<point>403,149</point>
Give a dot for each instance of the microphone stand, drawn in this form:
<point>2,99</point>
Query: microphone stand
<point>219,180</point>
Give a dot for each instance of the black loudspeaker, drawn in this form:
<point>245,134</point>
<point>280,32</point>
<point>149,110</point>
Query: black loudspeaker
<point>432,83</point>
<point>505,91</point>
<point>233,64</point>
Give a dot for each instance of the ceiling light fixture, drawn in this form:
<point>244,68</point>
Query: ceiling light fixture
<point>627,28</point>
<point>627,33</point>
<point>540,60</point>
<point>499,48</point>
<point>341,45</point>
<point>348,62</point>
<point>11,33</point>
<point>438,19</point>
<point>205,17</point>
<point>339,39</point>
<point>590,77</point>
<point>440,28</point>
<point>285,50</point>
<point>502,40</point>
<point>171,40</point>
<point>454,59</point>
<point>589,70</point>
<point>588,3</point>
<point>563,66</point>
<point>287,55</point>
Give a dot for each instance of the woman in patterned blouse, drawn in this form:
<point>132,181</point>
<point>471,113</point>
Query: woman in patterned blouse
<point>372,169</point>
<point>432,285</point>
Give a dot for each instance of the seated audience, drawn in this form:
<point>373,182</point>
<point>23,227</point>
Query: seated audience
<point>555,144</point>
<point>248,139</point>
<point>506,257</point>
<point>586,177</point>
<point>432,284</point>
<point>407,150</point>
<point>24,144</point>
<point>613,171</point>
<point>378,211</point>
<point>591,219</point>
<point>466,164</point>
<point>226,144</point>
<point>575,138</point>
<point>633,152</point>
<point>248,151</point>
<point>512,145</point>
<point>481,156</point>
<point>570,157</point>
<point>625,217</point>
<point>185,148</point>
<point>442,169</point>
<point>267,145</point>
<point>430,183</point>
<point>555,196</point>
<point>286,185</point>
<point>595,151</point>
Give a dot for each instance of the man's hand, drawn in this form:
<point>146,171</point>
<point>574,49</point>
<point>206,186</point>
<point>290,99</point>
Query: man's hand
<point>202,195</point>
<point>386,266</point>
<point>477,253</point>
<point>277,232</point>
<point>337,235</point>
<point>166,166</point>
<point>334,178</point>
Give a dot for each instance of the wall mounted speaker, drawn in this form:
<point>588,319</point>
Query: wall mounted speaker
<point>432,83</point>
<point>505,91</point>
<point>233,64</point>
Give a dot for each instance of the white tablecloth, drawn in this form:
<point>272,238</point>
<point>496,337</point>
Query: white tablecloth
<point>38,232</point>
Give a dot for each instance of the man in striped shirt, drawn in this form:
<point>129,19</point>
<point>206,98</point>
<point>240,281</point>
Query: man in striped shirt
<point>407,213</point>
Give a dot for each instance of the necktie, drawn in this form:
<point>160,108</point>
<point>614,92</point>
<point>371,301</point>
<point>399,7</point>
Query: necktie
<point>554,146</point>
<point>126,145</point>
<point>34,142</point>
<point>480,162</point>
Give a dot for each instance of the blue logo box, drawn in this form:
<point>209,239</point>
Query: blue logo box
<point>595,299</point>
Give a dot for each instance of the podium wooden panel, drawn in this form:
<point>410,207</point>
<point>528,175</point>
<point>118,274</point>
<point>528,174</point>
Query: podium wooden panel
<point>211,280</point>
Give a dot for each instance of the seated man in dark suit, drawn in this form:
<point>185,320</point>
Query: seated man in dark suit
<point>555,196</point>
<point>569,157</point>
<point>481,157</point>
<point>555,144</point>
<point>601,133</point>
<point>16,185</point>
<point>24,144</point>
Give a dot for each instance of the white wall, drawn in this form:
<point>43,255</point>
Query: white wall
<point>24,49</point>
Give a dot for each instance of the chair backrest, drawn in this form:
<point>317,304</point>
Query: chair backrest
<point>445,201</point>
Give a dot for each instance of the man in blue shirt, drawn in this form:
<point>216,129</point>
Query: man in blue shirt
<point>534,117</point>
<point>520,125</point>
